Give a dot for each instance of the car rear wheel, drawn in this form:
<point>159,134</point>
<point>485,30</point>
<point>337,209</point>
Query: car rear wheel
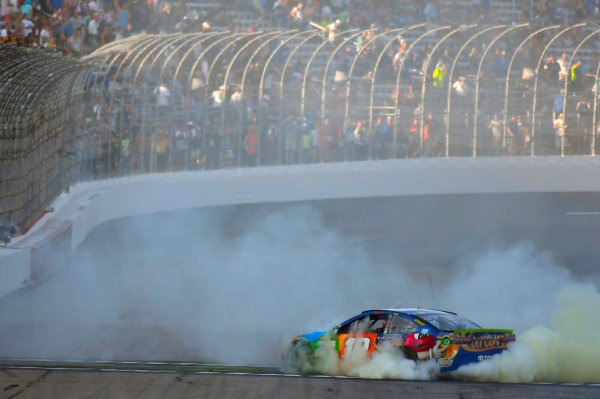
<point>298,358</point>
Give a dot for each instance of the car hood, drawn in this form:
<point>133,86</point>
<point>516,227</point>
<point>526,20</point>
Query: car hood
<point>313,336</point>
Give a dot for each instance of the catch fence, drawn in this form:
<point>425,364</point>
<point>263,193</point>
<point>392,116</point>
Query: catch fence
<point>157,103</point>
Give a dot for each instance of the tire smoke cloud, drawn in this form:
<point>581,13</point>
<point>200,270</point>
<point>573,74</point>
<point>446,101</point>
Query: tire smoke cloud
<point>209,286</point>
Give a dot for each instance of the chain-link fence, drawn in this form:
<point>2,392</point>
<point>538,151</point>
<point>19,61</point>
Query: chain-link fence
<point>157,103</point>
<point>40,94</point>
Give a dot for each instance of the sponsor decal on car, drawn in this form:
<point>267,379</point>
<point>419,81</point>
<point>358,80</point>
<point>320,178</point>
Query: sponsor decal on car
<point>448,360</point>
<point>484,343</point>
<point>394,339</point>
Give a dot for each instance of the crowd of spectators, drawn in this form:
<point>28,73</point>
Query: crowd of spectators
<point>254,131</point>
<point>77,27</point>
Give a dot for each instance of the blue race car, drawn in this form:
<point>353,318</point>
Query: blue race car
<point>419,334</point>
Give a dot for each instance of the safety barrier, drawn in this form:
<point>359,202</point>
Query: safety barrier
<point>40,96</point>
<point>157,103</point>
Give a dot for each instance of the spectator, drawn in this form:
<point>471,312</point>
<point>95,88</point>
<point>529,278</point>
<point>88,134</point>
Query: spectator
<point>93,38</point>
<point>431,13</point>
<point>75,45</point>
<point>251,143</point>
<point>495,134</point>
<point>361,141</point>
<point>291,139</point>
<point>559,102</point>
<point>349,128</point>
<point>163,98</point>
<point>559,133</point>
<point>181,140</point>
<point>297,16</point>
<point>218,96</point>
<point>388,138</point>
<point>461,89</point>
<point>576,77</point>
<point>323,141</point>
<point>563,63</point>
<point>431,137</point>
<point>551,71</point>
<point>161,146</point>
<point>512,135</point>
<point>525,138</point>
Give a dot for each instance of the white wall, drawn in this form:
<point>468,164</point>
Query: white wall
<point>90,204</point>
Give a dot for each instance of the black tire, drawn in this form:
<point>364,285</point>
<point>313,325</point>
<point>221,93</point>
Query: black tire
<point>409,353</point>
<point>298,358</point>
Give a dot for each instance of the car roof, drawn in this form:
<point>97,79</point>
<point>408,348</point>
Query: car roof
<point>411,311</point>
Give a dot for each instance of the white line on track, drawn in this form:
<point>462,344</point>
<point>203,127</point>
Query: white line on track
<point>582,213</point>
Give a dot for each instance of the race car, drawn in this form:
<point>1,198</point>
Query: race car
<point>419,334</point>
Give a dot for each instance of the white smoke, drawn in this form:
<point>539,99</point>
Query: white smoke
<point>386,363</point>
<point>212,286</point>
<point>565,351</point>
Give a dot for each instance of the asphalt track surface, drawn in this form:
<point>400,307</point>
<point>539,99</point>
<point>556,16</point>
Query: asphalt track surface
<point>565,224</point>
<point>30,380</point>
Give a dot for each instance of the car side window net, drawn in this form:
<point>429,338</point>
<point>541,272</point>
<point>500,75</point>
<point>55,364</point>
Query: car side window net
<point>401,325</point>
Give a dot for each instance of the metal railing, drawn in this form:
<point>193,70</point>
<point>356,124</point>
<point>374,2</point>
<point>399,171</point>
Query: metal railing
<point>40,95</point>
<point>210,100</point>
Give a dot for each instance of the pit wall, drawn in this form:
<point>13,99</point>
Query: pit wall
<point>57,234</point>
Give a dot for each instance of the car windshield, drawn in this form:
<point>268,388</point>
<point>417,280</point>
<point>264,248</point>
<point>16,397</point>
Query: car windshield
<point>448,322</point>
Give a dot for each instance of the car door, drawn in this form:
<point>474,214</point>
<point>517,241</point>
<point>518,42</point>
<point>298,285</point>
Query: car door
<point>362,333</point>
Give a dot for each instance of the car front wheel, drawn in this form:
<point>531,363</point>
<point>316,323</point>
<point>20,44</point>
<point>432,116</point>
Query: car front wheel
<point>298,358</point>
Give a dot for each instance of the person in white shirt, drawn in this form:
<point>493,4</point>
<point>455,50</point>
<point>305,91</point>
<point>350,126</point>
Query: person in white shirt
<point>163,94</point>
<point>93,26</point>
<point>563,63</point>
<point>460,87</point>
<point>4,31</point>
<point>94,6</point>
<point>27,25</point>
<point>218,96</point>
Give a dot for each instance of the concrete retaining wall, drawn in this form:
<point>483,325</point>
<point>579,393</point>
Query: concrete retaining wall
<point>77,213</point>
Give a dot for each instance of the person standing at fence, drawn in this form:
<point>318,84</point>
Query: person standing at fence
<point>251,143</point>
<point>297,16</point>
<point>525,138</point>
<point>388,139</point>
<point>377,140</point>
<point>576,77</point>
<point>218,96</point>
<point>195,139</point>
<point>163,95</point>
<point>161,147</point>
<point>495,134</point>
<point>559,102</point>
<point>584,123</point>
<point>439,76</point>
<point>563,63</point>
<point>181,147</point>
<point>323,140</point>
<point>125,155</point>
<point>336,149</point>
<point>361,141</point>
<point>271,138</point>
<point>551,71</point>
<point>306,143</point>
<point>430,136</point>
<point>559,133</point>
<point>213,145</point>
<point>291,139</point>
<point>349,127</point>
<point>512,135</point>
